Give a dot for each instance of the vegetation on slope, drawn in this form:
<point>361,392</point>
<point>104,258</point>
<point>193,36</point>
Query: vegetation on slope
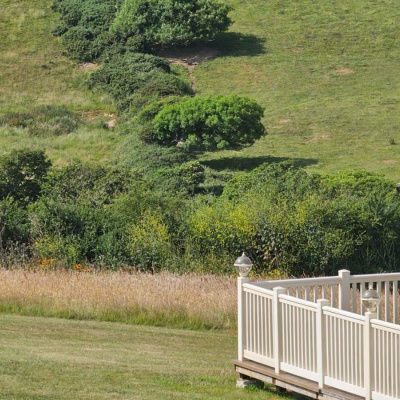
<point>159,207</point>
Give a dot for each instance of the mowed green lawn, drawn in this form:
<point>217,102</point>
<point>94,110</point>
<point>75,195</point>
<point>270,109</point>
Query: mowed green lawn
<point>327,73</point>
<point>46,358</point>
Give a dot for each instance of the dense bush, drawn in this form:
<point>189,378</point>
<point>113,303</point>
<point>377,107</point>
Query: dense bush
<point>163,22</point>
<point>48,120</point>
<point>212,122</point>
<point>22,173</point>
<point>84,26</point>
<point>318,224</point>
<point>122,76</point>
<point>14,223</point>
<point>85,212</point>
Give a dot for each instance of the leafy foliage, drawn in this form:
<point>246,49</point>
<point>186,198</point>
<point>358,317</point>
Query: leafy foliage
<point>212,122</point>
<point>84,213</point>
<point>163,22</point>
<point>318,224</point>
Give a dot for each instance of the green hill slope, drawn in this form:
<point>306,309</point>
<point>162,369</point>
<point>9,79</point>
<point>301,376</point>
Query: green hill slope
<point>34,71</point>
<point>327,73</point>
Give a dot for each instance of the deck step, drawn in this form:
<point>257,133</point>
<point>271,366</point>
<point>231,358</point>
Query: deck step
<point>253,370</point>
<point>283,380</point>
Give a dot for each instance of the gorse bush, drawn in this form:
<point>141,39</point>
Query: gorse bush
<point>213,122</point>
<point>122,76</point>
<point>84,26</point>
<point>48,120</point>
<point>162,22</point>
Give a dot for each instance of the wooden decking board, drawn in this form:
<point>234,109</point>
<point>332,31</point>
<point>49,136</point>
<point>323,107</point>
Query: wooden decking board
<point>267,374</point>
<point>331,393</point>
<point>282,376</point>
<point>291,382</point>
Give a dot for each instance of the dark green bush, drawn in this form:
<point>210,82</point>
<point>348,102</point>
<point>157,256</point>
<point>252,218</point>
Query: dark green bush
<point>14,223</point>
<point>162,22</point>
<point>22,173</point>
<point>212,122</point>
<point>84,26</point>
<point>85,212</point>
<point>123,75</point>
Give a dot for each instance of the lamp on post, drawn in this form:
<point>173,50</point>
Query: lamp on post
<point>243,265</point>
<point>370,299</point>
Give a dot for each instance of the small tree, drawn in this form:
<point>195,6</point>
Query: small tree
<point>213,122</point>
<point>166,22</point>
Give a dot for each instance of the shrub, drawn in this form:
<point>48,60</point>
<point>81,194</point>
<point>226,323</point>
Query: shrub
<point>162,22</point>
<point>212,122</point>
<point>14,223</point>
<point>21,175</point>
<point>150,242</point>
<point>122,76</point>
<point>84,26</point>
<point>85,212</point>
<point>223,228</point>
<point>143,120</point>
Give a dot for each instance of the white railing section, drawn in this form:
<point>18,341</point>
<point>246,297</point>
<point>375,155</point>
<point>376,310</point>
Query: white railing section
<point>258,332</point>
<point>298,330</point>
<point>386,347</point>
<point>387,286</point>
<point>292,328</point>
<point>344,347</point>
<point>344,291</point>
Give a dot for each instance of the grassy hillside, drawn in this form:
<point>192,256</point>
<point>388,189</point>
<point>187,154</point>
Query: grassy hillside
<point>327,74</point>
<point>44,358</point>
<point>34,72</point>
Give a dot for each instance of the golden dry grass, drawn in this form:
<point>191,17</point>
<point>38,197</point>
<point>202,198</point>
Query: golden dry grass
<point>191,301</point>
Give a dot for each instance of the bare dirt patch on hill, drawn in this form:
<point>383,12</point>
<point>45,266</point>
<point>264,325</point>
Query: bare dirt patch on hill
<point>189,57</point>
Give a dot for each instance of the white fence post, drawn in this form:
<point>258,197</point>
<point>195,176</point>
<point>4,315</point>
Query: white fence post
<point>321,345</point>
<point>241,315</point>
<point>277,318</point>
<point>344,290</point>
<point>368,354</point>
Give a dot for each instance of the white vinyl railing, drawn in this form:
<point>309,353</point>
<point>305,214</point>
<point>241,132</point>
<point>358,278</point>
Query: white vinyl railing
<point>344,291</point>
<point>386,347</point>
<point>289,326</point>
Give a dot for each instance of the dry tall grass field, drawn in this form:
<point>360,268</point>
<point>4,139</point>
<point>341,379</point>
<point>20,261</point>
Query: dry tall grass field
<point>165,299</point>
